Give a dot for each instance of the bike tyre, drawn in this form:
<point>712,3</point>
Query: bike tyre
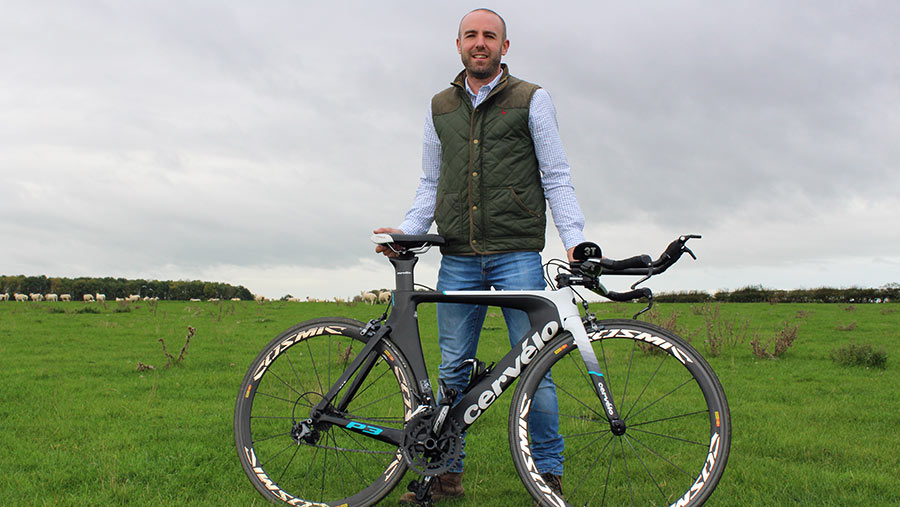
<point>678,427</point>
<point>284,381</point>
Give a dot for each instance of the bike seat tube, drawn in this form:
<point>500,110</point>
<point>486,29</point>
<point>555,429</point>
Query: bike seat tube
<point>403,271</point>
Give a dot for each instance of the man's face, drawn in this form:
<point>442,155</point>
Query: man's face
<point>481,43</point>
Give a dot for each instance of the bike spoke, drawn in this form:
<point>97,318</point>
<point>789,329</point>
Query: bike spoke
<point>312,359</point>
<point>294,455</point>
<point>309,468</point>
<point>576,453</point>
<point>641,395</point>
<point>330,339</point>
<point>385,397</point>
<point>289,386</point>
<point>566,392</point>
<point>263,439</point>
<point>679,416</point>
<point>590,469</point>
<point>294,370</point>
<point>282,399</point>
<point>340,469</point>
<point>660,456</point>
<point>370,384</point>
<point>608,470</point>
<point>649,474</point>
<point>270,458</point>
<point>686,382</point>
<point>701,444</point>
<point>628,374</point>
<point>627,475</point>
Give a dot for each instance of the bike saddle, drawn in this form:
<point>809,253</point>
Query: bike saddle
<point>408,241</point>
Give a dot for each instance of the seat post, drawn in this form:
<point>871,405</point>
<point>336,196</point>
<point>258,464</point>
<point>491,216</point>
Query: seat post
<point>403,270</point>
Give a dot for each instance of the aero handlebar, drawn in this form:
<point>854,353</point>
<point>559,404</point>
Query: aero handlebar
<point>589,264</point>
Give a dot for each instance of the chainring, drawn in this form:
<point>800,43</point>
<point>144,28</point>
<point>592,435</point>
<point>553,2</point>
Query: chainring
<point>427,453</point>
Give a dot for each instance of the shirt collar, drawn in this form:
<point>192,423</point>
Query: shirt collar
<point>490,86</point>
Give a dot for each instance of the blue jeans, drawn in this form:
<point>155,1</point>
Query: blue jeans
<point>459,327</point>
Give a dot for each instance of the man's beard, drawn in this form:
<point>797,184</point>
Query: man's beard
<point>482,72</point>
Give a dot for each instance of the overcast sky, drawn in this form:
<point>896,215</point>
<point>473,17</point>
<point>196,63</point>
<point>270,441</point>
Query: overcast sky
<point>259,143</point>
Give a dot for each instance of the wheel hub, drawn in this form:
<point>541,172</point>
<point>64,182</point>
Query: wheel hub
<point>617,426</point>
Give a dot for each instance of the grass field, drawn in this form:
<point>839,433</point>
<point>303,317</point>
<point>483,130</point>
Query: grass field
<point>80,425</point>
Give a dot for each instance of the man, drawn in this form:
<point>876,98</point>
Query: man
<point>492,156</point>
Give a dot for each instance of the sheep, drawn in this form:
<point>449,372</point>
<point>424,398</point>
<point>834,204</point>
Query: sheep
<point>195,300</point>
<point>213,300</point>
<point>4,296</point>
<point>51,297</point>
<point>235,299</point>
<point>120,300</point>
<point>134,298</point>
<point>384,296</point>
<point>36,297</point>
<point>100,297</point>
<point>65,297</point>
<point>368,297</point>
<point>259,299</point>
<point>338,300</point>
<point>88,298</point>
<point>21,297</point>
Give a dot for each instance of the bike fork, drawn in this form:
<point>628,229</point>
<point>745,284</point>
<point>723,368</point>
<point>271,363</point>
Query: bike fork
<point>574,325</point>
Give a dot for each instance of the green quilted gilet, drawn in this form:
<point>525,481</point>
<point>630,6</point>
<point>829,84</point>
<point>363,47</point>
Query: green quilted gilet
<point>489,194</point>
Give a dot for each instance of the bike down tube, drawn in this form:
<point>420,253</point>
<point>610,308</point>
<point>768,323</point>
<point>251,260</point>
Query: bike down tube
<point>549,312</point>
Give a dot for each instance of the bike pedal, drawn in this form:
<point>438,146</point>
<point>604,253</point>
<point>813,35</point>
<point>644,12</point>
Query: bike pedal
<point>421,490</point>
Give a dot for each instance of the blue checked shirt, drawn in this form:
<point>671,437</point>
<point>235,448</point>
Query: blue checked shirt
<point>554,167</point>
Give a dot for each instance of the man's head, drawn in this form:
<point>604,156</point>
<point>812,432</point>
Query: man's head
<point>481,42</point>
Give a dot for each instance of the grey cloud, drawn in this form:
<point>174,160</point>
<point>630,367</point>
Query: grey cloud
<point>170,137</point>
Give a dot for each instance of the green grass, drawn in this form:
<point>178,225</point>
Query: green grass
<point>79,425</point>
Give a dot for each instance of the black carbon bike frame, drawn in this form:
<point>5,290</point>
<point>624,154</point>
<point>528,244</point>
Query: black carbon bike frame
<point>549,312</point>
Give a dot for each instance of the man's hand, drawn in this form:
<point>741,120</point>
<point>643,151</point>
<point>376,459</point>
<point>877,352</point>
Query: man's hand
<point>570,254</point>
<point>384,249</point>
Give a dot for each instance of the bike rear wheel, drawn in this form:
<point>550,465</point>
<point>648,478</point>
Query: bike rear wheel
<point>284,382</point>
<point>677,433</point>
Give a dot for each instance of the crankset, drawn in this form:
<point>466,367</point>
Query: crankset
<point>428,453</point>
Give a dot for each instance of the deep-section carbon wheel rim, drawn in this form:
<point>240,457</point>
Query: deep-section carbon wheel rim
<point>677,425</point>
<point>333,465</point>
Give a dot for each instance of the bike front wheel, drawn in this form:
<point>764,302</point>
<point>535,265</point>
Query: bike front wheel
<point>339,465</point>
<point>676,436</point>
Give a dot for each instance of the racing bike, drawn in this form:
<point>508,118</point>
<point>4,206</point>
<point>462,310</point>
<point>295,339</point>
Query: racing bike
<point>335,411</point>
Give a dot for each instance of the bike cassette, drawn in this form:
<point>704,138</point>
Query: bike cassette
<point>427,453</point>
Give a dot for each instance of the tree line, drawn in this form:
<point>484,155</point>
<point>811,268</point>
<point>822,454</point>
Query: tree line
<point>758,294</point>
<point>122,288</point>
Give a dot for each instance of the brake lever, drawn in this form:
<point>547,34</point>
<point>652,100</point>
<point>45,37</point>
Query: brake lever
<point>689,252</point>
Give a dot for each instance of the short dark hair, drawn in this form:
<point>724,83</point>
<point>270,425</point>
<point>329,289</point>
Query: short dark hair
<point>502,21</point>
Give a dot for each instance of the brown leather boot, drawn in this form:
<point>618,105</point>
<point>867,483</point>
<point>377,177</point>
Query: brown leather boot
<point>446,486</point>
<point>554,482</point>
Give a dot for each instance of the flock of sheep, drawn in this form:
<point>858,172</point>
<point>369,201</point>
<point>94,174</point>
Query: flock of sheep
<point>366,297</point>
<point>372,297</point>
<point>88,298</point>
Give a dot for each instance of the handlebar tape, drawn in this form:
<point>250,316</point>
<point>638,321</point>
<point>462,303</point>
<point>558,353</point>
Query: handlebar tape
<point>638,261</point>
<point>621,297</point>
